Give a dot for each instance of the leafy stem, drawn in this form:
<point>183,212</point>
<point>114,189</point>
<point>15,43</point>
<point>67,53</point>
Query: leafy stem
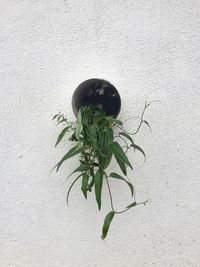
<point>95,141</point>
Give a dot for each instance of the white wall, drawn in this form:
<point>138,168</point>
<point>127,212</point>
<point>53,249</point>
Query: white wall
<point>148,50</point>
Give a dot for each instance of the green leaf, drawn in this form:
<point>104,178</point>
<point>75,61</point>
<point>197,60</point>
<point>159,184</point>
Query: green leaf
<point>98,186</point>
<point>79,125</point>
<point>127,136</point>
<point>63,120</point>
<point>55,116</point>
<point>83,167</point>
<point>79,116</point>
<point>139,149</point>
<point>109,135</point>
<point>78,131</point>
<point>121,165</point>
<point>107,159</point>
<point>106,138</point>
<point>147,125</point>
<point>92,134</point>
<point>117,176</point>
<point>67,198</point>
<point>86,115</point>
<point>119,153</point>
<point>59,116</point>
<point>131,205</point>
<point>84,186</point>
<point>61,135</point>
<point>106,225</point>
<point>72,152</point>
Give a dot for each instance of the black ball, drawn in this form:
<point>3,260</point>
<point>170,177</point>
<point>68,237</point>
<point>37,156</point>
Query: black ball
<point>97,92</point>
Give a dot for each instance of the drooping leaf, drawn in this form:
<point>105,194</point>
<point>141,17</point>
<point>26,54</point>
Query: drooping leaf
<point>84,186</point>
<point>60,121</point>
<point>72,152</point>
<point>121,165</point>
<point>83,167</point>
<point>91,132</point>
<point>139,149</point>
<point>127,136</point>
<point>146,122</point>
<point>55,116</point>
<point>98,186</point>
<point>59,117</point>
<point>106,138</point>
<point>119,153</point>
<point>61,135</point>
<point>107,222</point>
<point>67,198</point>
<point>117,176</point>
<point>131,205</point>
<point>78,131</point>
<point>107,160</point>
<point>109,135</point>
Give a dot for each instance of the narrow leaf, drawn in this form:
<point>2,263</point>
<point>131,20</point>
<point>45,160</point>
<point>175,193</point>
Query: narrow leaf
<point>131,205</point>
<point>127,136</point>
<point>117,176</point>
<point>72,152</point>
<point>119,153</point>
<point>106,225</point>
<point>121,165</point>
<point>63,120</point>
<point>55,116</point>
<point>84,186</point>
<point>147,125</point>
<point>106,140</point>
<point>139,149</point>
<point>98,186</point>
<point>67,198</point>
<point>91,132</point>
<point>61,135</point>
<point>83,167</point>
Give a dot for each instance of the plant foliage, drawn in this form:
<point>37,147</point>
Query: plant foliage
<point>97,139</point>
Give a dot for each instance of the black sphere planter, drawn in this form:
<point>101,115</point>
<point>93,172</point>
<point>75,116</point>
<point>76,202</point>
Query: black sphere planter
<point>97,92</point>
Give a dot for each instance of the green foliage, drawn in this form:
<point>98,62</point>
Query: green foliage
<point>119,154</point>
<point>98,186</point>
<point>61,135</point>
<point>84,186</point>
<point>99,138</point>
<point>117,176</point>
<point>107,223</point>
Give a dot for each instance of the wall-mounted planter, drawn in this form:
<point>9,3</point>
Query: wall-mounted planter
<point>97,92</point>
<point>99,137</point>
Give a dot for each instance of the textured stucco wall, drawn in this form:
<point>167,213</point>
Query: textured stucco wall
<point>148,50</point>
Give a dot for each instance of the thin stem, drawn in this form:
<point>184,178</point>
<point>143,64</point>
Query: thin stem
<point>136,204</point>
<point>141,118</point>
<point>130,118</point>
<point>127,146</point>
<point>110,194</point>
<point>111,200</point>
<point>145,202</point>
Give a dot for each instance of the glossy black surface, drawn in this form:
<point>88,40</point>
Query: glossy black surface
<point>97,91</point>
